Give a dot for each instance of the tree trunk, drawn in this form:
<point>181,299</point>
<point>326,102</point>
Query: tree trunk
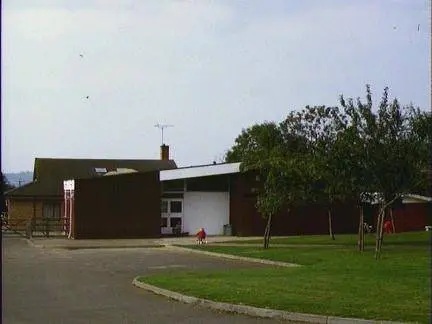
<point>265,236</point>
<point>363,231</point>
<point>381,216</point>
<point>330,224</point>
<point>379,232</point>
<point>267,232</point>
<point>392,220</point>
<point>382,231</point>
<point>360,241</point>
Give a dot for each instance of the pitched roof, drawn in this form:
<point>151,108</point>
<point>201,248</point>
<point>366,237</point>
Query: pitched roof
<point>49,173</point>
<point>37,189</point>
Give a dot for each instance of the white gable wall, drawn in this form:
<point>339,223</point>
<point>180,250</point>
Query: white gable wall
<point>209,210</point>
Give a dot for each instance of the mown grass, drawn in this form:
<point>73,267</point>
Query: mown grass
<point>335,280</point>
<point>411,238</point>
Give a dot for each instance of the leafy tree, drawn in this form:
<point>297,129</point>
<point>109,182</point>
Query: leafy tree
<point>318,127</point>
<point>421,123</point>
<point>263,148</point>
<point>384,151</point>
<point>256,148</point>
<point>255,145</point>
<point>325,154</point>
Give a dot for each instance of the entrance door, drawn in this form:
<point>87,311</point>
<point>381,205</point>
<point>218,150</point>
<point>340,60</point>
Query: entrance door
<point>171,215</point>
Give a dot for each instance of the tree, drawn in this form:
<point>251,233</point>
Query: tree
<point>318,127</point>
<point>5,183</point>
<point>263,148</point>
<point>325,154</point>
<point>421,123</point>
<point>384,152</point>
<point>255,148</point>
<point>5,187</point>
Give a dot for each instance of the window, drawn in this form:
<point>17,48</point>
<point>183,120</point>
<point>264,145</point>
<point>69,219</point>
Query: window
<point>175,221</point>
<point>164,206</point>
<point>175,206</point>
<point>100,170</point>
<point>164,222</point>
<point>51,211</point>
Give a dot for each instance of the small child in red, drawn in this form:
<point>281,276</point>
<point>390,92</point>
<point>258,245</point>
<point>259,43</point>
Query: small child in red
<point>201,236</point>
<point>387,227</point>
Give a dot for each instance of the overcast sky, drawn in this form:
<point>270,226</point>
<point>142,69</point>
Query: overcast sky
<point>210,68</point>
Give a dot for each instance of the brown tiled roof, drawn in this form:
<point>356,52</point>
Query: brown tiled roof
<point>49,173</point>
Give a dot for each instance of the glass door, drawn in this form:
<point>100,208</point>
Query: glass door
<point>171,216</point>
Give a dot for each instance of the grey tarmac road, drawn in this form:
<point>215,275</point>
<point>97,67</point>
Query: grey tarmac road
<point>94,286</point>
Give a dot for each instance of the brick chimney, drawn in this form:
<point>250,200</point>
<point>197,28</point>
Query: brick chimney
<point>164,152</point>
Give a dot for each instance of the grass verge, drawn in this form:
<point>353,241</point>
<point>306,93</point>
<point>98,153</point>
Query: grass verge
<point>411,238</point>
<point>336,280</point>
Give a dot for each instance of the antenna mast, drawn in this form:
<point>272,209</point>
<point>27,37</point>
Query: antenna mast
<point>162,127</point>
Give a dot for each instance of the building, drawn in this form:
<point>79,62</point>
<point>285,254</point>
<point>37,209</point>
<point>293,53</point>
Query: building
<point>151,198</point>
<point>43,198</point>
<point>151,204</point>
<point>413,214</point>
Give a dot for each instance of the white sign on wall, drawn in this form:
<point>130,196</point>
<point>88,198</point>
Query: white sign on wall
<point>69,185</point>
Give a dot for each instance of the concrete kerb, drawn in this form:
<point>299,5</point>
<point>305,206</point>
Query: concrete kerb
<point>254,311</point>
<point>233,257</point>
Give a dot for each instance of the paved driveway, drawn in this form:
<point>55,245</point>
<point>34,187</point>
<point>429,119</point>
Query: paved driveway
<point>94,286</point>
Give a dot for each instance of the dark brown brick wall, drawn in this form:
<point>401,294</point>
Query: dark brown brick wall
<point>313,219</point>
<point>243,214</point>
<point>310,219</point>
<point>122,206</point>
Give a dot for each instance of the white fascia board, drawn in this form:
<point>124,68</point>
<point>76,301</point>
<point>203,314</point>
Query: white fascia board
<point>199,171</point>
<point>376,198</point>
<point>412,199</point>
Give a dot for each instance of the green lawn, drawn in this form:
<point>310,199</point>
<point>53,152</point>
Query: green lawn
<point>335,280</point>
<point>411,238</point>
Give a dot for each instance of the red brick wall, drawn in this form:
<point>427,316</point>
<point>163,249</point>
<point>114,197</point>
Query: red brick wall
<point>413,217</point>
<point>20,211</point>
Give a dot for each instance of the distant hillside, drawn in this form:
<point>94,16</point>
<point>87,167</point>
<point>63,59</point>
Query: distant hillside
<point>21,177</point>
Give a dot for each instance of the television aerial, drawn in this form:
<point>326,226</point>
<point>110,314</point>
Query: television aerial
<point>162,127</point>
